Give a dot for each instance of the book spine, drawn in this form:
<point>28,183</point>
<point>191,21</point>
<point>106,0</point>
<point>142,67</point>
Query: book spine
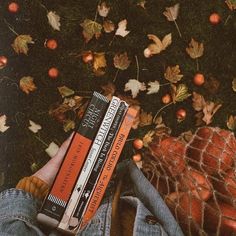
<point>100,161</point>
<point>109,167</point>
<point>90,161</point>
<point>55,202</point>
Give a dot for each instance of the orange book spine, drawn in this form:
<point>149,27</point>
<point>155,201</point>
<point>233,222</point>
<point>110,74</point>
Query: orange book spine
<point>109,167</point>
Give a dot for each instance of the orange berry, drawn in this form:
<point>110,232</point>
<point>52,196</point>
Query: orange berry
<point>87,56</point>
<point>181,114</point>
<point>199,79</point>
<point>3,62</point>
<point>53,72</point>
<point>51,44</point>
<point>13,7</point>
<point>137,157</point>
<point>166,98</point>
<point>214,18</point>
<point>138,144</point>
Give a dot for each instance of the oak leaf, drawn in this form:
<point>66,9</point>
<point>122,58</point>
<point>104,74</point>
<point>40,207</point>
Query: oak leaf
<point>20,44</point>
<point>90,29</point>
<point>27,84</point>
<point>103,9</point>
<point>154,87</point>
<point>122,28</point>
<point>195,49</point>
<point>179,93</point>
<point>209,111</point>
<point>121,61</point>
<point>65,91</point>
<point>172,74</point>
<point>134,86</point>
<point>54,20</point>
<point>34,127</point>
<point>108,26</point>
<point>3,126</point>
<point>231,122</point>
<point>171,13</point>
<point>198,101</point>
<point>145,118</point>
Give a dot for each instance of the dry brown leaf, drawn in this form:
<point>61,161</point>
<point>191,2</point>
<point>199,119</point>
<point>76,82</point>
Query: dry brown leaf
<point>3,126</point>
<point>145,118</point>
<point>231,122</point>
<point>148,138</point>
<point>54,20</point>
<point>103,9</point>
<point>209,111</point>
<point>231,4</point>
<point>20,44</point>
<point>134,86</point>
<point>65,91</point>
<point>108,26</point>
<point>198,101</point>
<point>212,85</point>
<point>171,13</point>
<point>27,84</point>
<point>121,61</point>
<point>172,74</point>
<point>186,137</point>
<point>99,63</point>
<point>195,49</point>
<point>199,116</point>
<point>109,90</point>
<point>122,28</point>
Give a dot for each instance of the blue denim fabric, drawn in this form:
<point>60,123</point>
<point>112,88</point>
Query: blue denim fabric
<point>18,211</point>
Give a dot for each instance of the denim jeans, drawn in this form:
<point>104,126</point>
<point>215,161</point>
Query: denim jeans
<point>19,209</point>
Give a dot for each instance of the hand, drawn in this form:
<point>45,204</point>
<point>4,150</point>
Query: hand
<point>48,172</point>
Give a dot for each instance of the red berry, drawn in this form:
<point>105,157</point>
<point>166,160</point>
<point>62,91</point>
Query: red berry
<point>3,62</point>
<point>51,44</point>
<point>138,144</point>
<point>181,114</point>
<point>214,18</point>
<point>137,157</point>
<point>13,7</point>
<point>199,79</point>
<point>87,56</point>
<point>53,72</point>
<point>166,98</point>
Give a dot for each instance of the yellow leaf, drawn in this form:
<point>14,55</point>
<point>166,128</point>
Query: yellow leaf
<point>173,74</point>
<point>20,44</point>
<point>171,13</point>
<point>148,138</point>
<point>195,49</point>
<point>145,118</point>
<point>27,84</point>
<point>99,63</point>
<point>179,93</point>
<point>65,91</point>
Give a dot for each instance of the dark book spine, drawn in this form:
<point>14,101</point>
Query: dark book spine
<point>100,161</point>
<point>59,195</point>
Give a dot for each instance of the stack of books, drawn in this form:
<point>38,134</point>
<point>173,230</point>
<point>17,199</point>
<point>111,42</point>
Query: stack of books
<point>88,164</point>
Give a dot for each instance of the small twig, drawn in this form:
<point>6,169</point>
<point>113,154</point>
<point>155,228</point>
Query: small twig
<point>43,6</point>
<point>164,84</point>
<point>177,27</point>
<point>10,27</point>
<point>227,19</point>
<point>197,64</point>
<point>154,118</point>
<point>129,140</point>
<point>137,64</point>
<point>117,72</point>
<point>40,140</point>
<point>112,40</point>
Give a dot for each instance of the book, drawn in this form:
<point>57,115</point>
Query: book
<point>99,164</point>
<point>90,161</point>
<point>108,168</point>
<point>55,203</point>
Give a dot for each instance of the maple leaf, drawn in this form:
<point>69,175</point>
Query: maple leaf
<point>145,118</point>
<point>171,13</point>
<point>65,91</point>
<point>154,87</point>
<point>198,101</point>
<point>52,149</point>
<point>108,26</point>
<point>20,44</point>
<point>158,45</point>
<point>99,63</point>
<point>34,127</point>
<point>122,28</point>
<point>173,74</point>
<point>3,126</point>
<point>195,49</point>
<point>148,138</point>
<point>179,93</point>
<point>231,122</point>
<point>27,84</point>
<point>209,111</point>
<point>103,9</point>
<point>234,84</point>
<point>231,4</point>
<point>134,86</point>
<point>121,61</point>
<point>91,29</point>
<point>54,20</point>
<point>69,124</point>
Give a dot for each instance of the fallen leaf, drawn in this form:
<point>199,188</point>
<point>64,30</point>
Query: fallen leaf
<point>145,118</point>
<point>148,138</point>
<point>134,86</point>
<point>52,149</point>
<point>27,84</point>
<point>3,126</point>
<point>195,49</point>
<point>109,90</point>
<point>199,116</point>
<point>54,20</point>
<point>34,127</point>
<point>231,4</point>
<point>231,122</point>
<point>141,3</point>
<point>122,28</point>
<point>99,63</point>
<point>212,85</point>
<point>154,87</point>
<point>179,93</point>
<point>74,102</point>
<point>34,167</point>
<point>20,44</point>
<point>186,137</point>
<point>234,84</point>
<point>121,61</point>
<point>103,9</point>
<point>65,91</point>
<point>171,13</point>
<point>158,45</point>
<point>91,29</point>
<point>69,124</point>
<point>198,101</point>
<point>172,74</point>
<point>137,117</point>
<point>209,111</point>
<point>108,26</point>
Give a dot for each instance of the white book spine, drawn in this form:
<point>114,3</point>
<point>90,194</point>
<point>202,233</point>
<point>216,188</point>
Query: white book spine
<point>89,163</point>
